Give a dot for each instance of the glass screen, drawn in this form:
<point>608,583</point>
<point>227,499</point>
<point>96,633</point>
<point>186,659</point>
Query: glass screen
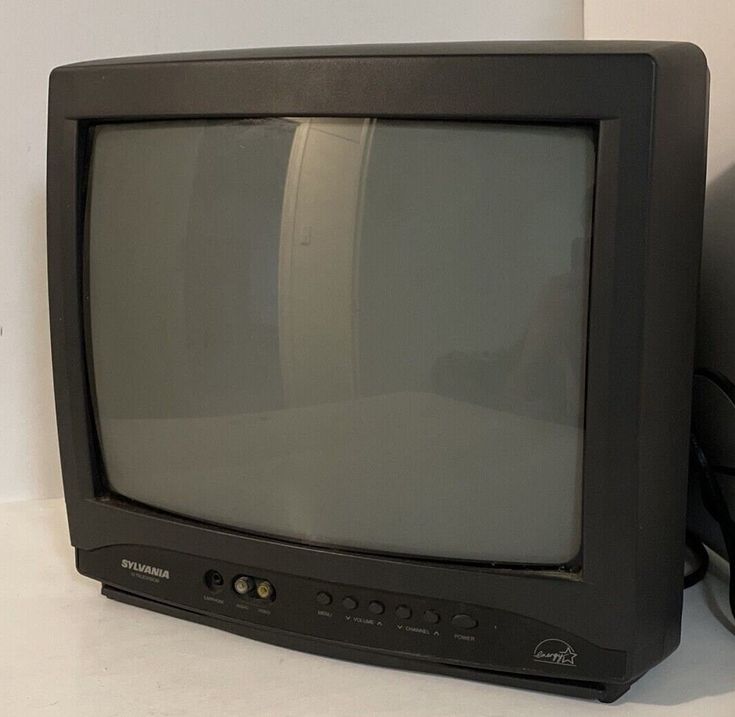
<point>359,333</point>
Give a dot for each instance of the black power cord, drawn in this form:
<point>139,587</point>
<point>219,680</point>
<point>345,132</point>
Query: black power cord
<point>712,496</point>
<point>696,546</point>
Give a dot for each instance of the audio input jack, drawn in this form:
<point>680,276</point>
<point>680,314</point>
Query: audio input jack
<point>242,584</point>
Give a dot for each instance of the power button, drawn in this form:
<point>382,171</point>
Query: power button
<point>464,622</point>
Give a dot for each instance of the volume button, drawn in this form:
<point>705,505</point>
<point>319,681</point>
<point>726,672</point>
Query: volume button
<point>376,607</point>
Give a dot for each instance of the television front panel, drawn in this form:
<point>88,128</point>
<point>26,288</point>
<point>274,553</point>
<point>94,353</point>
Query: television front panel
<point>360,350</point>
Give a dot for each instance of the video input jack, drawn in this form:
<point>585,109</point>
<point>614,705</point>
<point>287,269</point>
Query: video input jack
<point>264,590</point>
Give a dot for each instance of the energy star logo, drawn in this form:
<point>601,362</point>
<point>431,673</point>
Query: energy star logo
<point>143,569</point>
<point>555,652</point>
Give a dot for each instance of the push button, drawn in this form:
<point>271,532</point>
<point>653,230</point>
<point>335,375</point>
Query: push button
<point>431,616</point>
<point>349,603</point>
<point>376,607</point>
<point>403,612</point>
<point>324,598</point>
<point>464,622</point>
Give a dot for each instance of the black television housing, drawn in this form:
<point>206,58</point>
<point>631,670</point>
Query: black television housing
<point>609,618</point>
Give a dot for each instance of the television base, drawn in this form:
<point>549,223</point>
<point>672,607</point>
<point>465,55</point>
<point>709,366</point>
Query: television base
<point>590,690</point>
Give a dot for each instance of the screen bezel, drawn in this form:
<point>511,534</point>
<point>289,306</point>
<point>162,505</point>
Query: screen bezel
<point>611,89</point>
<point>103,489</point>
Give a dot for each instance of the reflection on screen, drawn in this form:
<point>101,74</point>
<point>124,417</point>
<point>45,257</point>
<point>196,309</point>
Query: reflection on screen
<point>353,332</point>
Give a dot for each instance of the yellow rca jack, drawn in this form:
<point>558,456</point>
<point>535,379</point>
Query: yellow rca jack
<point>264,590</point>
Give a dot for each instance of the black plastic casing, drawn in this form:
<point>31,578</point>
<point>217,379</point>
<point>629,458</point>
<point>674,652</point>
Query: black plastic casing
<point>620,612</point>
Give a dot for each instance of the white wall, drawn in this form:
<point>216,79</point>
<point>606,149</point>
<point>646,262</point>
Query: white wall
<point>711,25</point>
<point>36,35</point>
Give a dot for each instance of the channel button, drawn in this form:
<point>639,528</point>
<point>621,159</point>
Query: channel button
<point>464,622</point>
<point>432,617</point>
<point>403,612</point>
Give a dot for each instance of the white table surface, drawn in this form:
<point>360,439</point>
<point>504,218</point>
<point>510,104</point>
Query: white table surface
<point>65,650</point>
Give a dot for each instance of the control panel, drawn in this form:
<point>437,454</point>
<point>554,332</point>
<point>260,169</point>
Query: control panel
<point>402,613</point>
<point>439,630</point>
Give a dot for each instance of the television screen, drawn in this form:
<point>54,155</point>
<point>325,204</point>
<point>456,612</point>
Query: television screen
<point>361,333</point>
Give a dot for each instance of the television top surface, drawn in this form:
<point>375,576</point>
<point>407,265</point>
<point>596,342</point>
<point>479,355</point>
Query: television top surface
<point>447,49</point>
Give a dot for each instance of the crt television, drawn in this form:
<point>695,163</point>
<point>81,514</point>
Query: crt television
<point>384,353</point>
